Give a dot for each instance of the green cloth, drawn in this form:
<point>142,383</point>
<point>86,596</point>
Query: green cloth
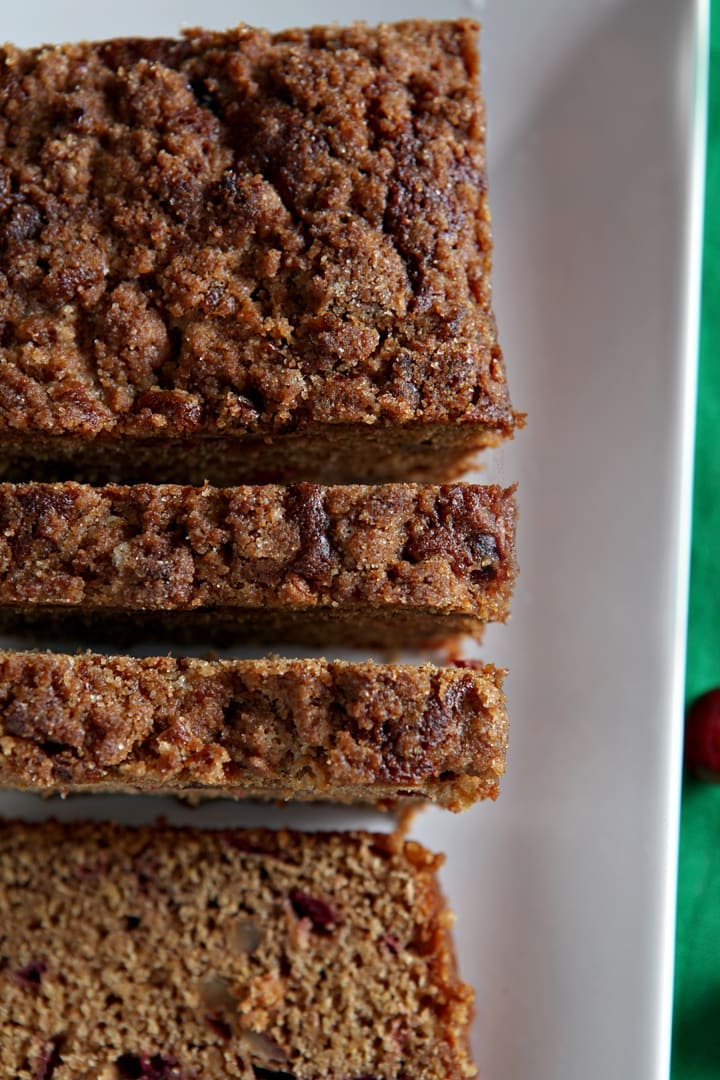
<point>696,1035</point>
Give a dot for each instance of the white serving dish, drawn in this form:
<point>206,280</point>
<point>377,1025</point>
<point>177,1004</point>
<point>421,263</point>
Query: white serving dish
<point>564,889</point>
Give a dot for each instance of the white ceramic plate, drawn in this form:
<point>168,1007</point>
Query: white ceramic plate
<point>564,889</point>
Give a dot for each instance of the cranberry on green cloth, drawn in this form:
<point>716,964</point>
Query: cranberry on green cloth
<point>702,736</point>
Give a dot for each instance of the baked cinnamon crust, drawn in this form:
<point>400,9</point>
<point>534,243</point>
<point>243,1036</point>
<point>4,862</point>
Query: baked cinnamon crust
<point>268,729</point>
<point>238,241</point>
<point>378,564</point>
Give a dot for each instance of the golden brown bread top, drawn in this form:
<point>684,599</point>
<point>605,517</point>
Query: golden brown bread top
<point>449,547</point>
<point>270,728</point>
<point>244,232</point>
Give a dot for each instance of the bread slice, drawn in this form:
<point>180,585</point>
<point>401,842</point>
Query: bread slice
<point>391,565</point>
<point>271,728</point>
<point>243,255</point>
<point>162,953</point>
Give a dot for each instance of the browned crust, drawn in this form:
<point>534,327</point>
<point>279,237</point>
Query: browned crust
<point>242,233</point>
<point>272,728</point>
<point>331,556</point>
<point>99,905</point>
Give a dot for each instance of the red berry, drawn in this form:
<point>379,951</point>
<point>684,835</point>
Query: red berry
<point>702,736</point>
<point>318,911</point>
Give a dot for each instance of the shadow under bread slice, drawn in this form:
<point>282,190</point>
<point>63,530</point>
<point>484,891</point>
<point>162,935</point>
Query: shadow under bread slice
<point>183,953</point>
<point>270,728</point>
<point>390,565</point>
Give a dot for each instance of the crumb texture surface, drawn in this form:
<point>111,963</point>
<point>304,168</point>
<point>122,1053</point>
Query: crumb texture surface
<point>187,955</point>
<point>263,552</point>
<point>246,233</point>
<point>309,729</point>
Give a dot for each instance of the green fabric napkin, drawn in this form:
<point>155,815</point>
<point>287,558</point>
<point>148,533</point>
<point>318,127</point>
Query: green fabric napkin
<point>696,1034</point>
